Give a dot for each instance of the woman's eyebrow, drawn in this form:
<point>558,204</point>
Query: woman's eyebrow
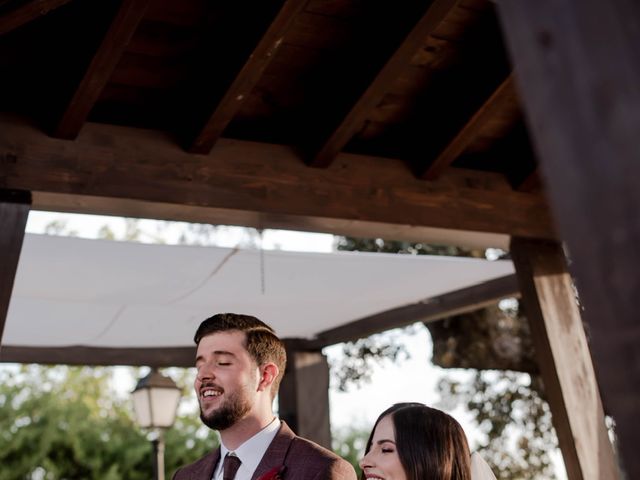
<point>385,440</point>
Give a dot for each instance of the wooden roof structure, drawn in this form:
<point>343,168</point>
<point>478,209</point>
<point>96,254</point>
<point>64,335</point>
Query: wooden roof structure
<point>315,115</point>
<point>397,120</point>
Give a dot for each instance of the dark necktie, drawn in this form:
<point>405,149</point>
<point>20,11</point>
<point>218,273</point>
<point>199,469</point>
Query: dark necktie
<point>230,467</point>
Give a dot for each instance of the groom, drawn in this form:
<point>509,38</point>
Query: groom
<point>240,362</point>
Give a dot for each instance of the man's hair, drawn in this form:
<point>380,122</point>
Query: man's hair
<point>430,443</point>
<point>260,340</point>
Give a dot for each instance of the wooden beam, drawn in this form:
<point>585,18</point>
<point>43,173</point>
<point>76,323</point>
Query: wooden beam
<point>26,13</point>
<point>303,401</point>
<point>577,69</point>
<point>100,68</point>
<point>262,180</point>
<point>453,303</point>
<point>503,97</point>
<point>374,93</point>
<point>14,210</point>
<point>78,355</point>
<point>565,362</point>
<point>247,77</point>
<point>530,182</point>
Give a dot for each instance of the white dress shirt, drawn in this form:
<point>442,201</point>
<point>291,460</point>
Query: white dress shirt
<point>250,452</point>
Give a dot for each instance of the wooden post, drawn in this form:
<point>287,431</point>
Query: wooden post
<point>304,396</point>
<point>578,73</point>
<point>564,360</point>
<point>14,210</point>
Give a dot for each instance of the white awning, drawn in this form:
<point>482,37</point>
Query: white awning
<point>98,293</point>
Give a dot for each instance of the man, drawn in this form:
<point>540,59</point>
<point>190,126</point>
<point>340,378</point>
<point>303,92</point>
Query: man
<point>240,363</point>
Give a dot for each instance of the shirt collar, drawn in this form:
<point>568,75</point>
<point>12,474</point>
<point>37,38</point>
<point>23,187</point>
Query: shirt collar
<point>252,450</point>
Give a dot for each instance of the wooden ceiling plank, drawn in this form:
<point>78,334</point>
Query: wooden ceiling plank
<point>500,99</point>
<point>154,357</point>
<point>268,180</point>
<point>452,303</point>
<point>247,77</point>
<point>14,210</point>
<point>374,93</point>
<point>100,68</point>
<point>28,12</point>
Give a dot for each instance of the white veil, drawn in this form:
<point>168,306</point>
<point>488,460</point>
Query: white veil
<point>480,470</point>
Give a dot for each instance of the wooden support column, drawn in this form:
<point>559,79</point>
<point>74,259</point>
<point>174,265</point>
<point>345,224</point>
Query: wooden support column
<point>564,359</point>
<point>14,210</point>
<point>304,396</point>
<point>578,72</point>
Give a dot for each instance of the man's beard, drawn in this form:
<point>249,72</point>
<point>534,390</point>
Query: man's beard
<point>232,410</point>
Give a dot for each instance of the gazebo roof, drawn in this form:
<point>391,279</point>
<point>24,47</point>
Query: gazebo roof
<point>72,294</point>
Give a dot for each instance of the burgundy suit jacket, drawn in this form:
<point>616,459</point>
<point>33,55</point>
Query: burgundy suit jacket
<point>302,459</point>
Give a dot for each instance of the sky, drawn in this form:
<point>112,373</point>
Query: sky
<point>412,379</point>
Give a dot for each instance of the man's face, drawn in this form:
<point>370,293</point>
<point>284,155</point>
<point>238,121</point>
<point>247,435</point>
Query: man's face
<point>227,379</point>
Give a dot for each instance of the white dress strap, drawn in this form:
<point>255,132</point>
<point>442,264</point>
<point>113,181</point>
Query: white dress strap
<point>480,470</point>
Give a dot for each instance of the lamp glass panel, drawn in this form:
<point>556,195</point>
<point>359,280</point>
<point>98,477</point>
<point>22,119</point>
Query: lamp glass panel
<point>164,403</point>
<point>142,407</point>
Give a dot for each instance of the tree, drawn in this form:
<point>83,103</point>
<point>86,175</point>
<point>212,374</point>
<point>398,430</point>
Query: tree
<point>505,394</point>
<point>68,423</point>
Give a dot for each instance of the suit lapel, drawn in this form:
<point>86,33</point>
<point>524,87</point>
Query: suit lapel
<point>276,453</point>
<point>206,468</point>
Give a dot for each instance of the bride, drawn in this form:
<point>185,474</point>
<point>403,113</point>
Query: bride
<point>411,441</point>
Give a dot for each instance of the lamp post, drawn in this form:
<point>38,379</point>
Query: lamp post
<point>155,402</point>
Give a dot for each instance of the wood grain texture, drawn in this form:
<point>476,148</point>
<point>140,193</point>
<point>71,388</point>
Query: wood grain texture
<point>504,97</point>
<point>100,68</point>
<point>125,163</point>
<point>376,90</point>
<point>303,400</point>
<point>247,77</point>
<point>14,210</point>
<point>578,71</point>
<point>26,13</point>
<point>453,303</point>
<point>564,359</point>
<point>154,357</point>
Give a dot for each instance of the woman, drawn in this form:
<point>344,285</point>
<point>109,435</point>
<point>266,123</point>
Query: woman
<point>411,441</point>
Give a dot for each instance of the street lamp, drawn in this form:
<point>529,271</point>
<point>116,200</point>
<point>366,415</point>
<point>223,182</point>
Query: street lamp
<point>155,402</point>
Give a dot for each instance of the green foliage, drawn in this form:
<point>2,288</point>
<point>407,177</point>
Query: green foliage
<point>510,410</point>
<point>391,246</point>
<point>68,423</point>
<point>508,406</point>
<point>359,357</point>
<point>349,443</point>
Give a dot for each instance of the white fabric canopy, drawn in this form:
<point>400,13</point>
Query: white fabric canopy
<point>71,291</point>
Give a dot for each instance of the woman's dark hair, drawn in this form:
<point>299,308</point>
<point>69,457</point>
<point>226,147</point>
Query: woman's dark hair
<point>431,444</point>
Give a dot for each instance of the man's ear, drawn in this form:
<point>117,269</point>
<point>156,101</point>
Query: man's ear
<point>268,374</point>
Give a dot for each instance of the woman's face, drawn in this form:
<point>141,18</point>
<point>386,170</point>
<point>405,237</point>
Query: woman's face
<point>382,460</point>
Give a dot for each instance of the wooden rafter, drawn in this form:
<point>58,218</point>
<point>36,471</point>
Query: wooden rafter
<point>264,181</point>
<point>530,182</point>
<point>26,13</point>
<point>374,93</point>
<point>502,98</point>
<point>156,357</point>
<point>100,68</point>
<point>453,303</point>
<point>246,78</point>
